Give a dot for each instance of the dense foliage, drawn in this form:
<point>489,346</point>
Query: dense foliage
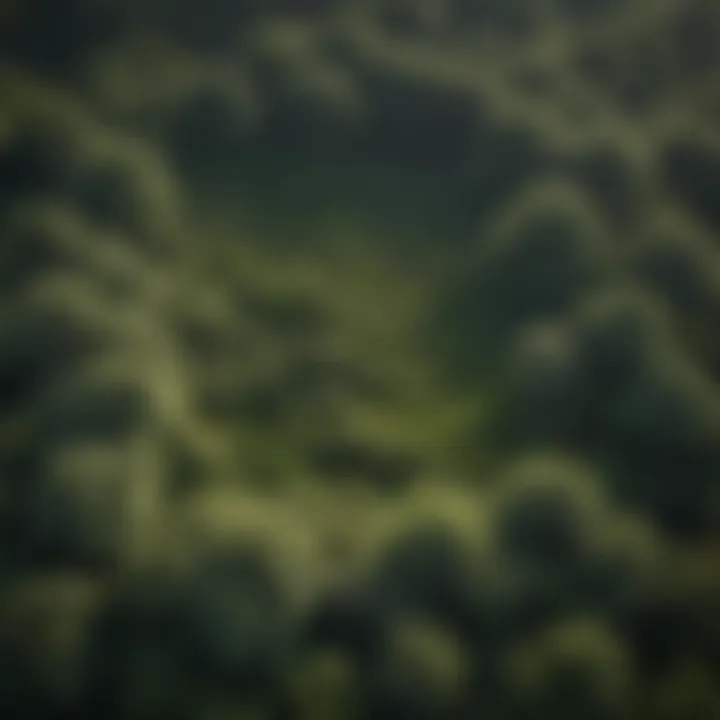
<point>359,359</point>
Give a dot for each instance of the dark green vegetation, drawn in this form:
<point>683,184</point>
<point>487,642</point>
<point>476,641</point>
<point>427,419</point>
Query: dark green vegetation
<point>359,359</point>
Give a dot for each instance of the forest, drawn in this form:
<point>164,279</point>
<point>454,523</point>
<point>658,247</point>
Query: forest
<point>359,359</point>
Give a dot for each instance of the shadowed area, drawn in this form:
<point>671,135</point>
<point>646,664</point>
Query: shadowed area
<point>359,359</point>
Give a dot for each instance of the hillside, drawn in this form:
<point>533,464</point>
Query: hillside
<point>359,359</point>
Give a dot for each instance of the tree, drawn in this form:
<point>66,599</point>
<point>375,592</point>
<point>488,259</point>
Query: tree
<point>577,668</point>
<point>544,254</point>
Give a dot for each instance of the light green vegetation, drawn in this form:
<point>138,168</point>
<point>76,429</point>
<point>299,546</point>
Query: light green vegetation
<point>359,359</point>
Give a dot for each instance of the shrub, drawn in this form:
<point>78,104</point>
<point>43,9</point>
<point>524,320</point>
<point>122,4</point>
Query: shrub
<point>691,169</point>
<point>41,155</point>
<point>678,261</point>
<point>422,674</point>
<point>209,128</point>
<point>323,687</point>
<point>544,254</point>
<point>550,513</point>
<point>578,668</point>
<point>664,434</point>
<point>44,624</point>
<point>445,107</point>
<point>426,571</point>
<point>620,333</point>
<point>543,403</point>
<point>125,188</point>
<point>41,238</point>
